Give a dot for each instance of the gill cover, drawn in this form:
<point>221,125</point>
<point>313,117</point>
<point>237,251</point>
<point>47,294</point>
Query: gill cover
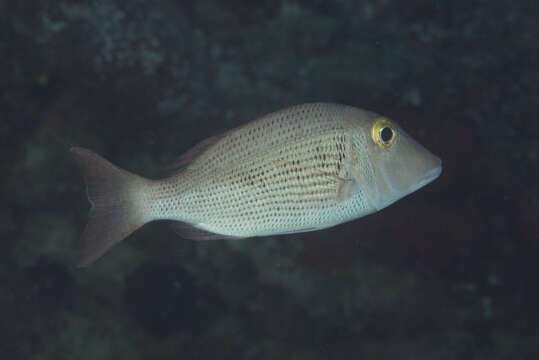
<point>400,164</point>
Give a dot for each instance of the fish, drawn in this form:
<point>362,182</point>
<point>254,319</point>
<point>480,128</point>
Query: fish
<point>303,168</point>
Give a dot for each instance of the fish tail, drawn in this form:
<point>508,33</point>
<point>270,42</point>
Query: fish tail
<point>112,193</point>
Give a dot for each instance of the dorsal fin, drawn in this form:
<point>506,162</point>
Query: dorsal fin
<point>190,155</point>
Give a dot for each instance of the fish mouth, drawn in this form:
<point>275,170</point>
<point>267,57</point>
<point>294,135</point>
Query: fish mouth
<point>429,176</point>
<point>432,174</point>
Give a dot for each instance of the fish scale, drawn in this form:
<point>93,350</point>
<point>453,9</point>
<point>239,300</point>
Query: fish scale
<point>303,168</point>
<point>285,182</point>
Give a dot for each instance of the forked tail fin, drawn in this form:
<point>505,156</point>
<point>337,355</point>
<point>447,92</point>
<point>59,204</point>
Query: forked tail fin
<point>112,193</point>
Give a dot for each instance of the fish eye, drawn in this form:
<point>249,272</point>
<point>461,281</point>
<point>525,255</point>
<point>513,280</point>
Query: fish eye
<point>384,133</point>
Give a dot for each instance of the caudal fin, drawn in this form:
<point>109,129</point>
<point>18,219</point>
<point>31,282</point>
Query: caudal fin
<point>114,213</point>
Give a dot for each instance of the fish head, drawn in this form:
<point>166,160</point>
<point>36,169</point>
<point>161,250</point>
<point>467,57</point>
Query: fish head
<point>394,164</point>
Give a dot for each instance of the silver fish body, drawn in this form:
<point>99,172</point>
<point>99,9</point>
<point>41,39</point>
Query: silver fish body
<point>303,168</point>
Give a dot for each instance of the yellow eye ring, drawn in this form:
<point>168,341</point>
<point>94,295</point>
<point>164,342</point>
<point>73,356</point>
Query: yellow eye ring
<point>384,133</point>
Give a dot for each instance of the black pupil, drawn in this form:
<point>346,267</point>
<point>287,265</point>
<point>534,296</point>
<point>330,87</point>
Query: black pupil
<point>386,134</point>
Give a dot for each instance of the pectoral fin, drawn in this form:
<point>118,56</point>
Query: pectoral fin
<point>346,189</point>
<point>345,185</point>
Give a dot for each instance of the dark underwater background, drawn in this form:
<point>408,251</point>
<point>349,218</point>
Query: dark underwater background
<point>450,272</point>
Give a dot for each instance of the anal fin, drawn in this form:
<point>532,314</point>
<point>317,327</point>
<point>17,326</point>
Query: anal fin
<point>188,231</point>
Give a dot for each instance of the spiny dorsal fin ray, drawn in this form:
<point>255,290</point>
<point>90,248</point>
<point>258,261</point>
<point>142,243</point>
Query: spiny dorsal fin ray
<point>190,155</point>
